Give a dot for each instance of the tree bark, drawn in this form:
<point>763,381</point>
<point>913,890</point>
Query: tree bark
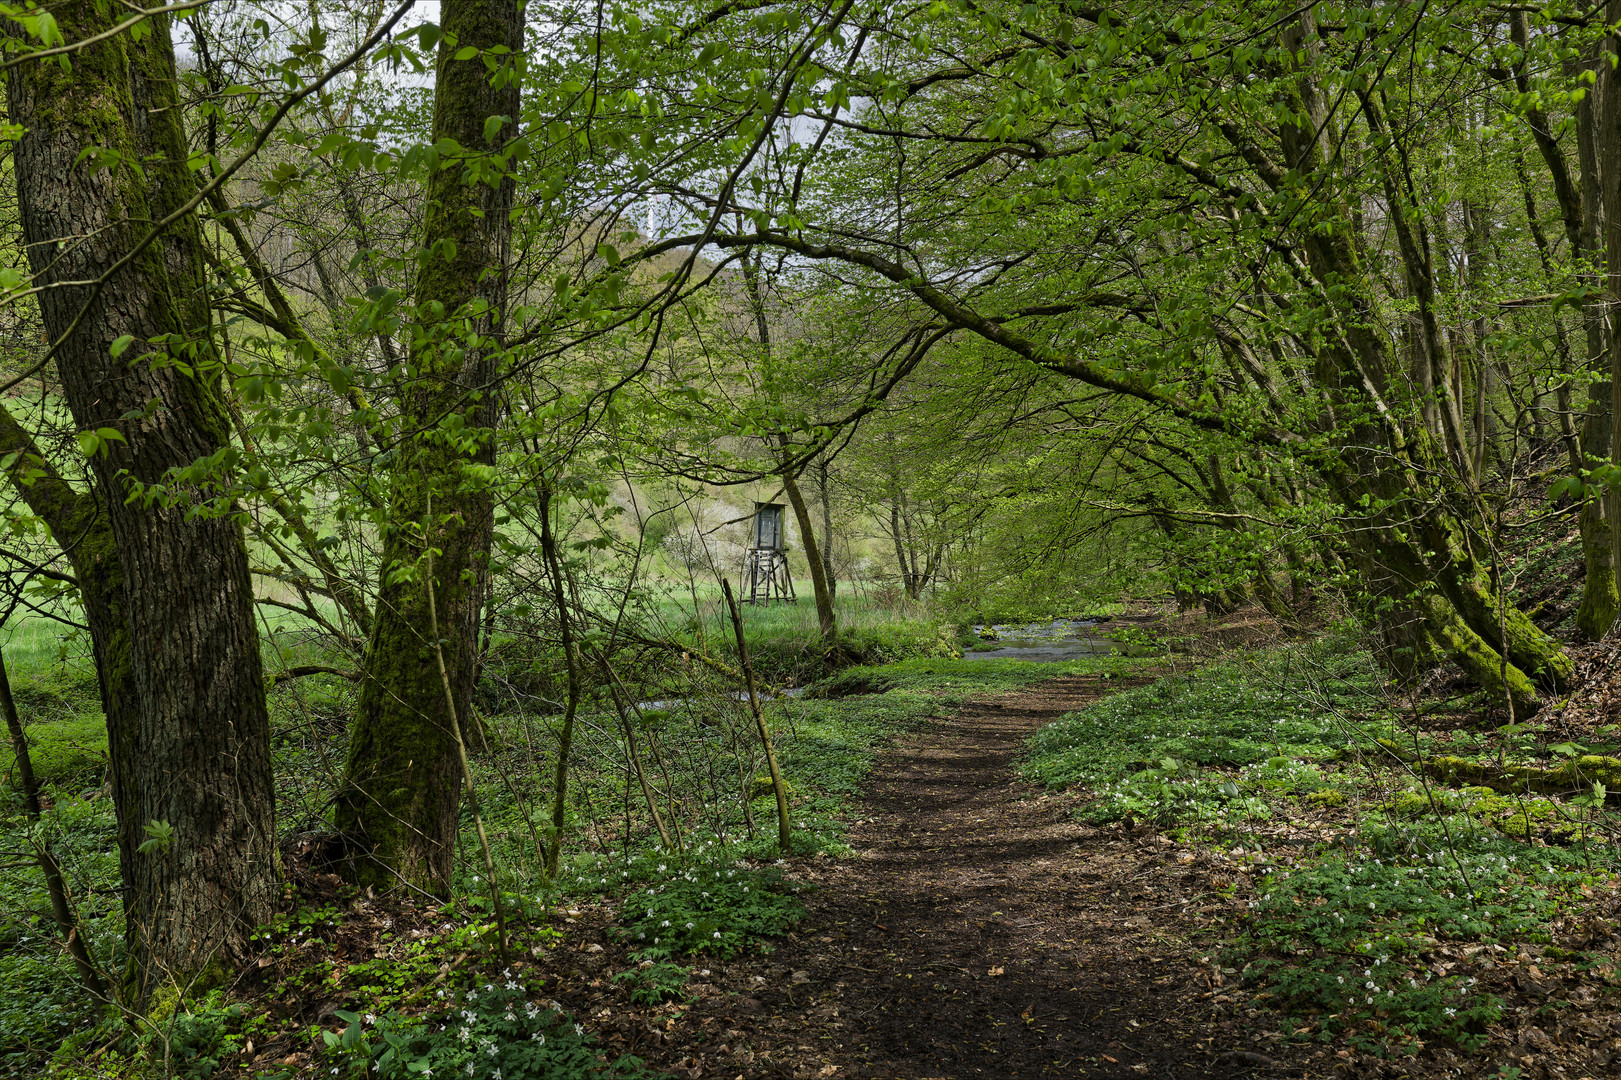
<point>403,783</point>
<point>1608,152</point>
<point>176,631</point>
<point>821,589</point>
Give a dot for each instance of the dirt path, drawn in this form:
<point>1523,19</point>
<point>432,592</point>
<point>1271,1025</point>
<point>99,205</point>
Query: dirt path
<point>980,932</point>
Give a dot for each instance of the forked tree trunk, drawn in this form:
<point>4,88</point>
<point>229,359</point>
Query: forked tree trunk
<point>174,627</point>
<point>403,781</point>
<point>821,579</point>
<point>1580,198</point>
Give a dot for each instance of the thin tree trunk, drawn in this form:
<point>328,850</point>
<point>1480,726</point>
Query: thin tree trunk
<point>900,544</point>
<point>1601,599</point>
<point>1582,211</point>
<point>1608,153</point>
<point>827,528</point>
<point>1477,244</point>
<point>826,617</point>
<point>67,924</point>
<point>571,661</point>
<point>634,757</point>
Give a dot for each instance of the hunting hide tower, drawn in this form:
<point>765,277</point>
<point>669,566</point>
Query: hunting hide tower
<point>765,564</point>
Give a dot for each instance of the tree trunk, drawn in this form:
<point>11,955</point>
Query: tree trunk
<point>827,528</point>
<point>1385,462</point>
<point>1608,153</point>
<point>192,754</point>
<point>821,586</point>
<point>1600,598</point>
<point>403,784</point>
<point>1581,208</point>
<point>826,619</point>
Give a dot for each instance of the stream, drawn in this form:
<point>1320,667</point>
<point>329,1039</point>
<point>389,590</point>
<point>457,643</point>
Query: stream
<point>1044,642</point>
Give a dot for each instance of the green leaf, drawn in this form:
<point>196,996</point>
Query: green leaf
<point>122,344</point>
<point>159,837</point>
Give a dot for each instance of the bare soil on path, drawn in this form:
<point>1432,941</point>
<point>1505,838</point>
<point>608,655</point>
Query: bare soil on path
<point>980,932</point>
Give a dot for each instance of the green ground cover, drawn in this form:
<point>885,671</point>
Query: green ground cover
<point>1373,867</point>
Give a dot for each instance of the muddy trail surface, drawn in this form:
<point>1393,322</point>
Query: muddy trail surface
<point>980,931</point>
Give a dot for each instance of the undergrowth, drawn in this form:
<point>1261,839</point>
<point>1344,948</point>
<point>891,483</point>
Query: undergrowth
<point>1212,743</point>
<point>710,908</point>
<point>495,1031</point>
<point>714,892</point>
<point>1356,936</point>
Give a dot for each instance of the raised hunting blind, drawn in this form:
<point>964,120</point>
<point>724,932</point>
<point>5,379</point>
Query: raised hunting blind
<point>765,564</point>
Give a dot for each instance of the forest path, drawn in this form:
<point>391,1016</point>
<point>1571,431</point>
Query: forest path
<point>982,931</point>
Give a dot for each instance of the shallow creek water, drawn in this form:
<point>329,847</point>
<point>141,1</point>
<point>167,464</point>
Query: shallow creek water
<point>1048,642</point>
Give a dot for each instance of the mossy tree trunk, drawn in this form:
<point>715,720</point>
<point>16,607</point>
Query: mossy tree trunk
<point>1412,498</point>
<point>173,623</point>
<point>1599,604</point>
<point>403,779</point>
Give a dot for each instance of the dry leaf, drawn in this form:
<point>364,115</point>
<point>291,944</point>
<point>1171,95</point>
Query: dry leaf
<point>995,970</point>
